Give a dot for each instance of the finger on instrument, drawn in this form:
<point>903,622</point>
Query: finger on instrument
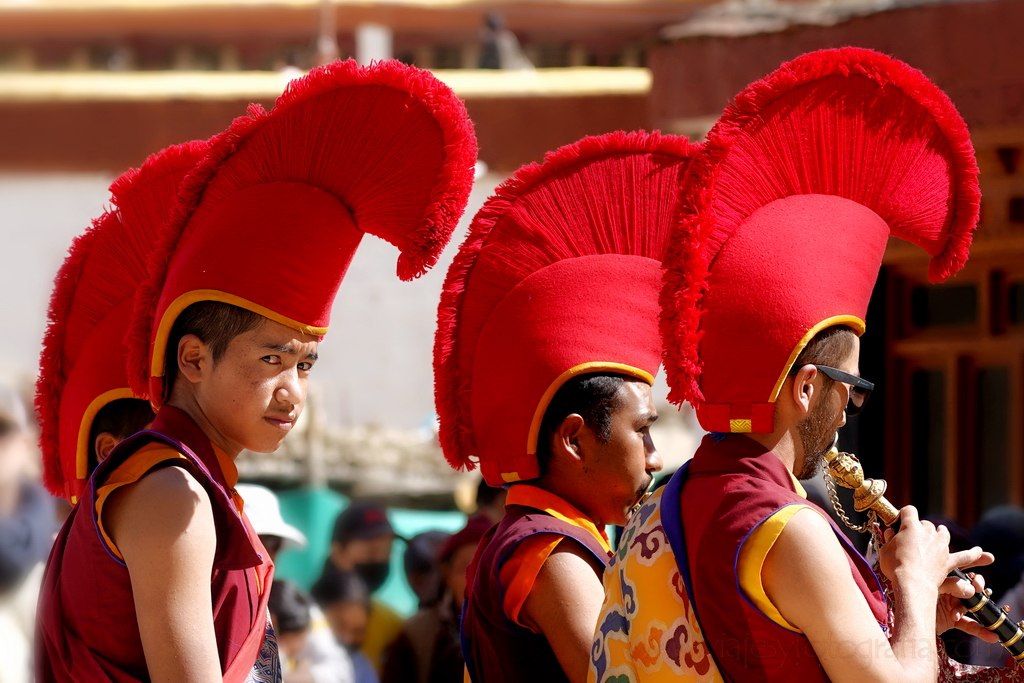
<point>908,515</point>
<point>972,557</point>
<point>956,587</point>
<point>971,627</point>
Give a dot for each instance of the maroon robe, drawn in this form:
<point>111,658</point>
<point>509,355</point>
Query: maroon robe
<point>733,486</point>
<point>496,649</point>
<point>87,629</point>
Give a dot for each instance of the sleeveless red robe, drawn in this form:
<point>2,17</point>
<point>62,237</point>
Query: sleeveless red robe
<point>496,649</point>
<point>733,486</point>
<point>87,629</point>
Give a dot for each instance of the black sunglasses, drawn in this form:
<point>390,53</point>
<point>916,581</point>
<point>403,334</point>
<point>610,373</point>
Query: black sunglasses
<point>860,388</point>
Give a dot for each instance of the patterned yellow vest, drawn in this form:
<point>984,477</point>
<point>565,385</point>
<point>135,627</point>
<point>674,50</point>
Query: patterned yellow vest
<point>647,630</point>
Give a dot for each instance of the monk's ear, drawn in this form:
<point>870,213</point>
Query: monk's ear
<point>105,442</point>
<point>802,389</point>
<point>194,358</point>
<point>565,442</point>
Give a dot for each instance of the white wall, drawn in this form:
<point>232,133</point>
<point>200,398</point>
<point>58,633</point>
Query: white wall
<point>375,364</point>
<point>39,216</point>
<point>376,361</point>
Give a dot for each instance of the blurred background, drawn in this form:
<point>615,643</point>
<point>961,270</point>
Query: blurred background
<point>89,88</point>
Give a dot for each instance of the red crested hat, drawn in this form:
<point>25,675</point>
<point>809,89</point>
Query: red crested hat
<point>81,370</point>
<point>558,277</point>
<point>786,215</point>
<point>271,218</point>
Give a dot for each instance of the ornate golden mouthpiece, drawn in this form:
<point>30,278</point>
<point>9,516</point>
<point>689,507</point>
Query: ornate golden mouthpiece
<point>846,470</point>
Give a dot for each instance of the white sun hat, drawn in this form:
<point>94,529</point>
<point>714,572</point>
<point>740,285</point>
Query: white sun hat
<point>264,513</point>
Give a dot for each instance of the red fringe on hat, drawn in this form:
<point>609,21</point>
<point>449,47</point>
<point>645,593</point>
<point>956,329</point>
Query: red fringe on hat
<point>420,244</point>
<point>103,268</point>
<point>510,260</point>
<point>894,118</point>
<point>52,370</point>
<point>143,191</point>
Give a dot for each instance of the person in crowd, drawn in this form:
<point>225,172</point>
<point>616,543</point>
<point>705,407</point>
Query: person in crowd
<point>27,525</point>
<point>361,542</point>
<point>427,650</point>
<point>290,613</point>
<point>263,508</point>
<point>728,572</point>
<point>991,654</point>
<point>1001,530</point>
<point>500,48</point>
<point>422,572</point>
<point>546,349</point>
<point>224,333</point>
<point>320,658</point>
<point>345,600</point>
<point>490,501</point>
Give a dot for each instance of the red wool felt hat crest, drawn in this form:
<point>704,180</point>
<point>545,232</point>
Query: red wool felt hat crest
<point>82,366</point>
<point>786,214</point>
<point>271,218</point>
<point>558,277</point>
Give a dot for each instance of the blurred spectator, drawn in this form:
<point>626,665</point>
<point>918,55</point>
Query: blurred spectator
<point>959,537</point>
<point>1001,532</point>
<point>291,616</point>
<point>500,48</point>
<point>490,501</point>
<point>320,659</point>
<point>345,601</point>
<point>27,525</point>
<point>264,513</point>
<point>421,568</point>
<point>361,543</point>
<point>428,650</point>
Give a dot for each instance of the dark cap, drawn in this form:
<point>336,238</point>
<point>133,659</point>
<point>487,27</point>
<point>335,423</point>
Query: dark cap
<point>476,528</point>
<point>361,520</point>
<point>422,550</point>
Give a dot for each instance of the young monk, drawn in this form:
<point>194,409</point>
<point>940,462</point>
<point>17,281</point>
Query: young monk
<point>546,350</point>
<point>225,334</point>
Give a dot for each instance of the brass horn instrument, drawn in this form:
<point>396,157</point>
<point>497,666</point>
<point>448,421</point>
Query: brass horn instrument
<point>845,470</point>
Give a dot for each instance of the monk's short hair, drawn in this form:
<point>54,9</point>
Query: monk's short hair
<point>121,418</point>
<point>594,397</point>
<point>215,323</point>
<point>829,347</point>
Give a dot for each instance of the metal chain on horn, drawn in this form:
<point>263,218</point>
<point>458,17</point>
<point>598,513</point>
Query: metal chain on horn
<point>833,496</point>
